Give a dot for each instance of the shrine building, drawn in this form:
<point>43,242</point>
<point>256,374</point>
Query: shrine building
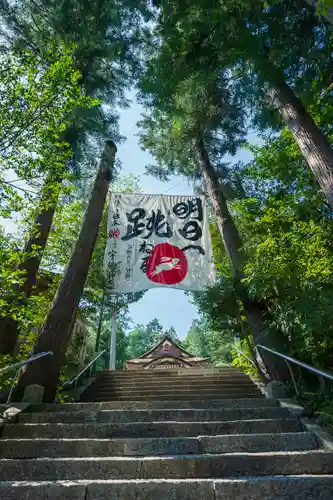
<point>167,354</point>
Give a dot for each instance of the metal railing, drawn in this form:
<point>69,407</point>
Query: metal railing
<point>25,362</point>
<point>244,355</point>
<point>20,365</point>
<point>76,378</point>
<point>318,372</point>
<point>288,360</point>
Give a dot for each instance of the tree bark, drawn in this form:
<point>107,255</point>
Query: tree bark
<point>9,332</point>
<point>256,313</point>
<point>36,243</point>
<point>228,230</point>
<point>33,250</point>
<point>311,141</point>
<point>55,333</point>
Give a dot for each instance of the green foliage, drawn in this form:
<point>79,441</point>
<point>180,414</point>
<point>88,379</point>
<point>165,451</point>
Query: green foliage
<point>242,362</point>
<point>36,105</point>
<point>106,40</point>
<point>142,338</point>
<point>197,107</point>
<point>173,334</point>
<point>202,340</point>
<point>287,235</point>
<point>319,404</point>
<point>288,242</point>
<point>195,340</point>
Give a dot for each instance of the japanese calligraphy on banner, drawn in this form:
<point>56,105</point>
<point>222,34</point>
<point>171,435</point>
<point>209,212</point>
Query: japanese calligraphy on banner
<point>156,240</point>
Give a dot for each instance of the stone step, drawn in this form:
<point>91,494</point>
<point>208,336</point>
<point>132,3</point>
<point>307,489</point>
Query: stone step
<point>171,387</point>
<point>150,429</point>
<point>181,384</point>
<point>175,387</point>
<point>35,448</point>
<point>119,416</point>
<point>307,487</point>
<point>107,395</point>
<point>167,391</point>
<point>156,405</point>
<point>177,380</point>
<point>185,466</point>
<point>173,372</point>
<point>142,377</point>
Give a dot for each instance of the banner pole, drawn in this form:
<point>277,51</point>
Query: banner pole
<point>100,321</point>
<point>113,339</point>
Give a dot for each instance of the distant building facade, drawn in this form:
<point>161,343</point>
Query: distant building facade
<point>166,355</point>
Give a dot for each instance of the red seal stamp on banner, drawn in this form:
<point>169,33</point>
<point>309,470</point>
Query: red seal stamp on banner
<point>167,265</point>
<point>114,233</point>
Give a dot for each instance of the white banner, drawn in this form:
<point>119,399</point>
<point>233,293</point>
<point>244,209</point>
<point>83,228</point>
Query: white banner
<point>156,240</point>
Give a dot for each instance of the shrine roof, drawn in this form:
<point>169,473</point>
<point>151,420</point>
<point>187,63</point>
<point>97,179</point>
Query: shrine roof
<point>159,344</point>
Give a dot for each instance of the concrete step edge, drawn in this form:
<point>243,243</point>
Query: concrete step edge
<point>156,405</point>
<point>183,387</point>
<point>238,385</point>
<point>142,376</point>
<point>167,388</point>
<point>111,440</point>
<point>255,488</point>
<point>107,383</point>
<point>105,399</point>
<point>199,378</point>
<point>127,396</point>
<point>152,429</point>
<point>236,443</point>
<point>101,416</point>
<point>265,401</point>
<point>192,394</point>
<point>154,422</point>
<point>239,479</point>
<point>169,458</point>
<point>149,410</point>
<point>176,467</point>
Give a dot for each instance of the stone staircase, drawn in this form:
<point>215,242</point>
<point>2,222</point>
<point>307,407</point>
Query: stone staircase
<point>171,385</point>
<point>213,445</point>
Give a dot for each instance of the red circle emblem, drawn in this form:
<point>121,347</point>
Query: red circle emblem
<point>167,264</point>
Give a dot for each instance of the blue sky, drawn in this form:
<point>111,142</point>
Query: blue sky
<point>169,306</point>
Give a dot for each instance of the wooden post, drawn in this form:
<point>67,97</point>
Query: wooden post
<point>100,323</point>
<point>113,340</point>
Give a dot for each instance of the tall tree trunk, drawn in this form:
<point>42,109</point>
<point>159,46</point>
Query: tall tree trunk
<point>229,232</point>
<point>36,243</point>
<point>311,141</point>
<point>33,250</point>
<point>55,333</point>
<point>9,332</point>
<point>256,313</point>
